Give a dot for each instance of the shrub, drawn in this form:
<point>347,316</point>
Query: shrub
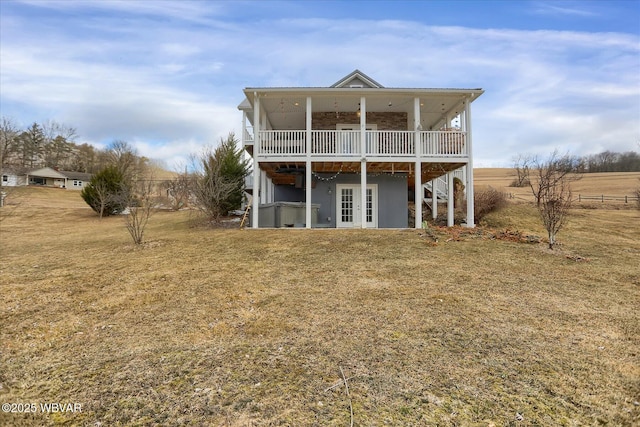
<point>219,179</point>
<point>520,182</point>
<point>487,200</point>
<point>104,192</point>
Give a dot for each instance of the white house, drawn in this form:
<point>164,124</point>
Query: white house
<point>11,177</point>
<point>49,177</point>
<point>349,155</point>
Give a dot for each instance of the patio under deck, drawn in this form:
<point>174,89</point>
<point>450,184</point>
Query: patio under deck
<point>284,173</point>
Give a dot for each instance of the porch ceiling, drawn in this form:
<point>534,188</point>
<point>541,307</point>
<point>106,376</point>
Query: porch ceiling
<point>286,109</point>
<point>285,173</point>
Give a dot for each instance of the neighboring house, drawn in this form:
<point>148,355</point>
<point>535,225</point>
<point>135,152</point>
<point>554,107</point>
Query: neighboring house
<point>12,177</point>
<point>49,177</point>
<point>315,149</point>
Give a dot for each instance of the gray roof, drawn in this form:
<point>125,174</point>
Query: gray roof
<point>81,176</point>
<point>52,173</point>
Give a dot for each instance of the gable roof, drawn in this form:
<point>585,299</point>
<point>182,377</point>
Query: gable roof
<point>47,173</point>
<point>357,79</point>
<point>52,173</point>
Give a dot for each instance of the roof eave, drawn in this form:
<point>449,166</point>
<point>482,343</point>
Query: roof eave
<point>250,91</point>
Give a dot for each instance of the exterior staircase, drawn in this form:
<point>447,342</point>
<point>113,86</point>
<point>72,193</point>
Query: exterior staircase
<point>442,190</point>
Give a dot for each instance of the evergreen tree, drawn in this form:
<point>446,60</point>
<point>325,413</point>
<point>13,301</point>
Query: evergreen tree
<point>57,153</point>
<point>233,168</point>
<point>105,191</point>
<point>31,144</point>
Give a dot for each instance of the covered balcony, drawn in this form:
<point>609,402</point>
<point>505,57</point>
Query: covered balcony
<point>347,144</point>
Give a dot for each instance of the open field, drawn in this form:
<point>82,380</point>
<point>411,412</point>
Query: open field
<point>591,184</point>
<point>255,327</point>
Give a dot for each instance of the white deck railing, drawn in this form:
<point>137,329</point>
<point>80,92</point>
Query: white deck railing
<point>347,143</point>
<point>248,135</point>
<point>390,143</point>
<point>447,143</point>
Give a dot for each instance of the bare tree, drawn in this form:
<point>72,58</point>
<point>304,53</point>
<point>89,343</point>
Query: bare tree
<point>8,134</point>
<point>551,188</point>
<point>212,187</point>
<point>522,166</point>
<point>52,129</point>
<point>179,190</point>
<point>141,206</point>
<point>125,158</point>
<point>103,195</point>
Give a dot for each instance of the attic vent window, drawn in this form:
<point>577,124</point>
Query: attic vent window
<point>356,86</point>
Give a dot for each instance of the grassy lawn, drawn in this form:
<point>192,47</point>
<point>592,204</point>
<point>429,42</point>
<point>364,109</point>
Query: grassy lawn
<point>230,327</point>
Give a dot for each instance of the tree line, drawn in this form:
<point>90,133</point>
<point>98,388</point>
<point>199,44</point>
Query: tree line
<point>609,161</point>
<point>49,144</point>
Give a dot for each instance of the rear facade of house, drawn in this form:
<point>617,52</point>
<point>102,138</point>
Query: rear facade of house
<point>356,154</point>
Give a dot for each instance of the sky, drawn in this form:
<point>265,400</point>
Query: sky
<point>167,76</point>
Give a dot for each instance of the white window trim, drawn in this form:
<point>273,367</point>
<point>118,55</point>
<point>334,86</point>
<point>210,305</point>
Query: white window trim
<point>356,199</point>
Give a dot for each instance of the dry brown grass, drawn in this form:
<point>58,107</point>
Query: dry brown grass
<point>252,328</point>
<point>591,184</point>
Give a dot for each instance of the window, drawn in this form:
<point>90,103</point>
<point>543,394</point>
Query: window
<point>5,178</point>
<point>347,205</point>
<point>77,183</point>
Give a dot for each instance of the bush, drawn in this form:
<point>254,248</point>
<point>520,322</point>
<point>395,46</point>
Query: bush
<point>487,200</point>
<point>104,192</point>
<point>520,182</point>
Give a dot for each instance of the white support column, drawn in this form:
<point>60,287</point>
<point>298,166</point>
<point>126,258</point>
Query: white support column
<point>363,162</point>
<point>244,129</point>
<point>256,166</point>
<point>418,194</point>
<point>469,183</point>
<point>263,186</point>
<point>307,184</point>
<point>307,181</point>
<point>267,190</point>
<point>363,193</point>
<point>434,197</point>
<point>363,126</point>
<point>417,126</point>
<point>449,199</point>
<point>418,190</point>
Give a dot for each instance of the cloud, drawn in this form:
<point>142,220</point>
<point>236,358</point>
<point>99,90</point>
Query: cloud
<point>169,75</point>
<point>555,8</point>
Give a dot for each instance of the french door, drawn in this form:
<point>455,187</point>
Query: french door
<point>349,206</point>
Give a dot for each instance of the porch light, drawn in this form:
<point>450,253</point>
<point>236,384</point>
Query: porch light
<point>358,112</point>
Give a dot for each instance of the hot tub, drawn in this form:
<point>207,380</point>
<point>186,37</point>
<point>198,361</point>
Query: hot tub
<point>286,214</point>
